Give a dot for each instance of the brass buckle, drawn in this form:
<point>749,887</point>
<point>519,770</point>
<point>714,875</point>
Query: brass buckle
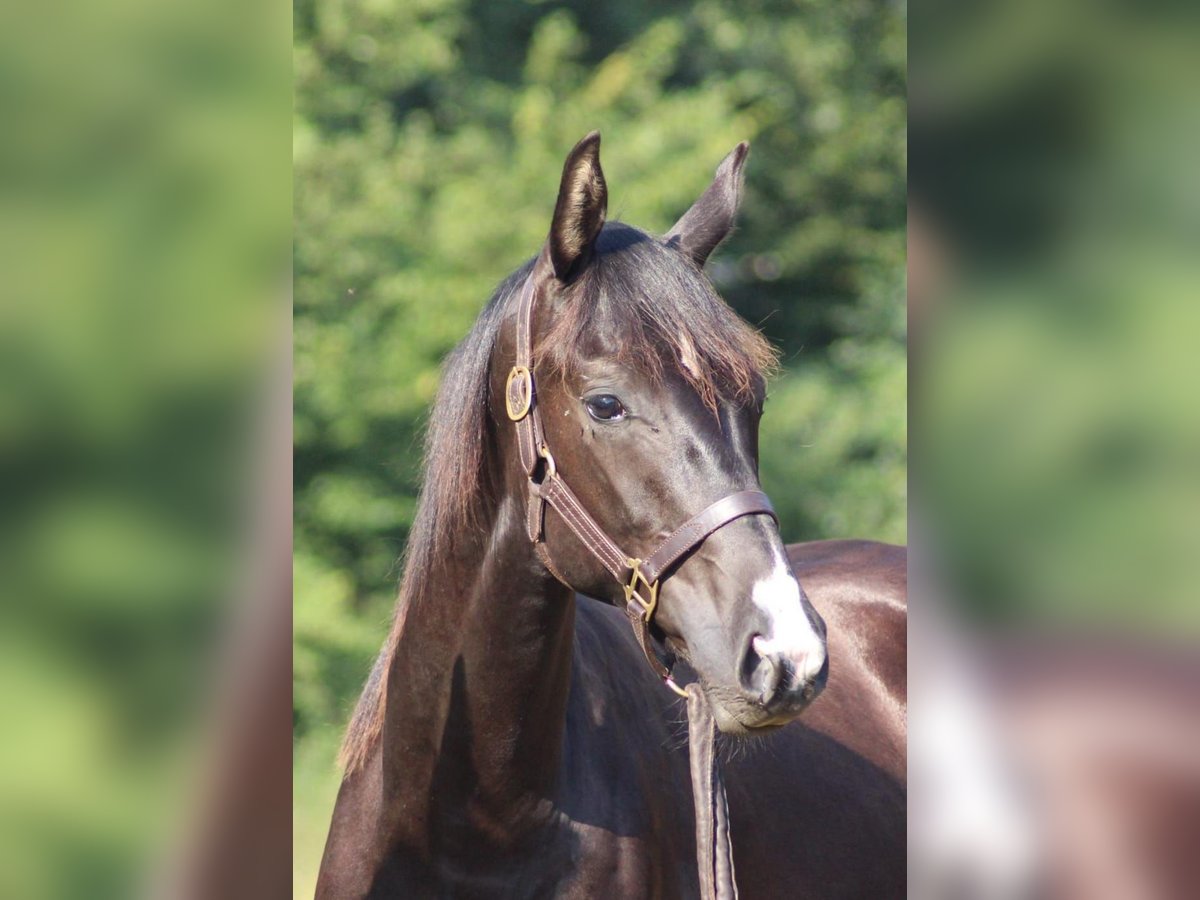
<point>648,607</point>
<point>632,590</point>
<point>525,399</point>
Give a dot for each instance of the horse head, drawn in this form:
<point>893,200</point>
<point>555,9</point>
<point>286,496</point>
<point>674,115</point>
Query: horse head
<point>649,390</point>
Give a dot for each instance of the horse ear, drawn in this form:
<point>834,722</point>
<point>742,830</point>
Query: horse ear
<point>711,218</point>
<point>580,210</point>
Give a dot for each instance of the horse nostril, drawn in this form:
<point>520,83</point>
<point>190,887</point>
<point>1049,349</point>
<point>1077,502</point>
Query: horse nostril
<point>750,661</point>
<point>761,671</point>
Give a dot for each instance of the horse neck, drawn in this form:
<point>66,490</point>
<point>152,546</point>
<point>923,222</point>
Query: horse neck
<point>477,691</point>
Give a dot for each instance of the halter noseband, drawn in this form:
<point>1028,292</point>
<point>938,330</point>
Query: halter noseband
<point>639,577</point>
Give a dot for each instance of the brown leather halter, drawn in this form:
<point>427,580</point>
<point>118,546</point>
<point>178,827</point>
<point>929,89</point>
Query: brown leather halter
<point>639,577</point>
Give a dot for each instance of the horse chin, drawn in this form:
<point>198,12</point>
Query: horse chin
<point>735,727</point>
<point>745,722</point>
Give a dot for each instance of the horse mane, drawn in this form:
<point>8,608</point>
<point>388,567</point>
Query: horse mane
<point>664,311</point>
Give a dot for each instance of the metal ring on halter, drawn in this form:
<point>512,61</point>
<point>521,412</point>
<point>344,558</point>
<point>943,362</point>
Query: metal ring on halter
<point>544,453</point>
<point>670,682</point>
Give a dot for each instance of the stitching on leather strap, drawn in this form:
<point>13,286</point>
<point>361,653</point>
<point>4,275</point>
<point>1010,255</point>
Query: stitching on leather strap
<point>544,556</point>
<point>711,519</point>
<point>602,543</point>
<point>585,529</point>
<point>561,501</point>
<point>535,516</point>
<point>642,635</point>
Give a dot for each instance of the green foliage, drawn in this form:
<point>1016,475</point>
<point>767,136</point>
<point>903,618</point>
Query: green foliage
<point>429,140</point>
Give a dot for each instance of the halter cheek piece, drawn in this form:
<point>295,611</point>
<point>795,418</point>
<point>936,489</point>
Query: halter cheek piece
<point>639,577</point>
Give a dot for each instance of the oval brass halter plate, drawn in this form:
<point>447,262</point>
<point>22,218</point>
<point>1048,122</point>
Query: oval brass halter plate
<point>518,405</point>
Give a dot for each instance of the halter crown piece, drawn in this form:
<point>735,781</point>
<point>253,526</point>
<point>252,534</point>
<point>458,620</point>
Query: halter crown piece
<point>640,579</point>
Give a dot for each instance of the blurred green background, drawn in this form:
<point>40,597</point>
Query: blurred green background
<point>144,207</point>
<point>1056,214</point>
<point>428,142</point>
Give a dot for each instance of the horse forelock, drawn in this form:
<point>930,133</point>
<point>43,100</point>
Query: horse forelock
<point>653,310</point>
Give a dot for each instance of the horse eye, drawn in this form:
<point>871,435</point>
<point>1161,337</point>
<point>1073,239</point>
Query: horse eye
<point>605,408</point>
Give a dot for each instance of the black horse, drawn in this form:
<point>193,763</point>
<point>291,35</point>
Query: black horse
<point>511,740</point>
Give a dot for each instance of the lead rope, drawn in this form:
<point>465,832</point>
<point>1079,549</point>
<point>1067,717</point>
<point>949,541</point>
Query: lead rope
<point>714,849</point>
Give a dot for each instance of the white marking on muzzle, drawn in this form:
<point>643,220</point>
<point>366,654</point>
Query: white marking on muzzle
<point>791,633</point>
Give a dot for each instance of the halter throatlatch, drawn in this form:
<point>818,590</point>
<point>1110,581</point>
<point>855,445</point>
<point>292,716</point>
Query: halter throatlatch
<point>639,577</point>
